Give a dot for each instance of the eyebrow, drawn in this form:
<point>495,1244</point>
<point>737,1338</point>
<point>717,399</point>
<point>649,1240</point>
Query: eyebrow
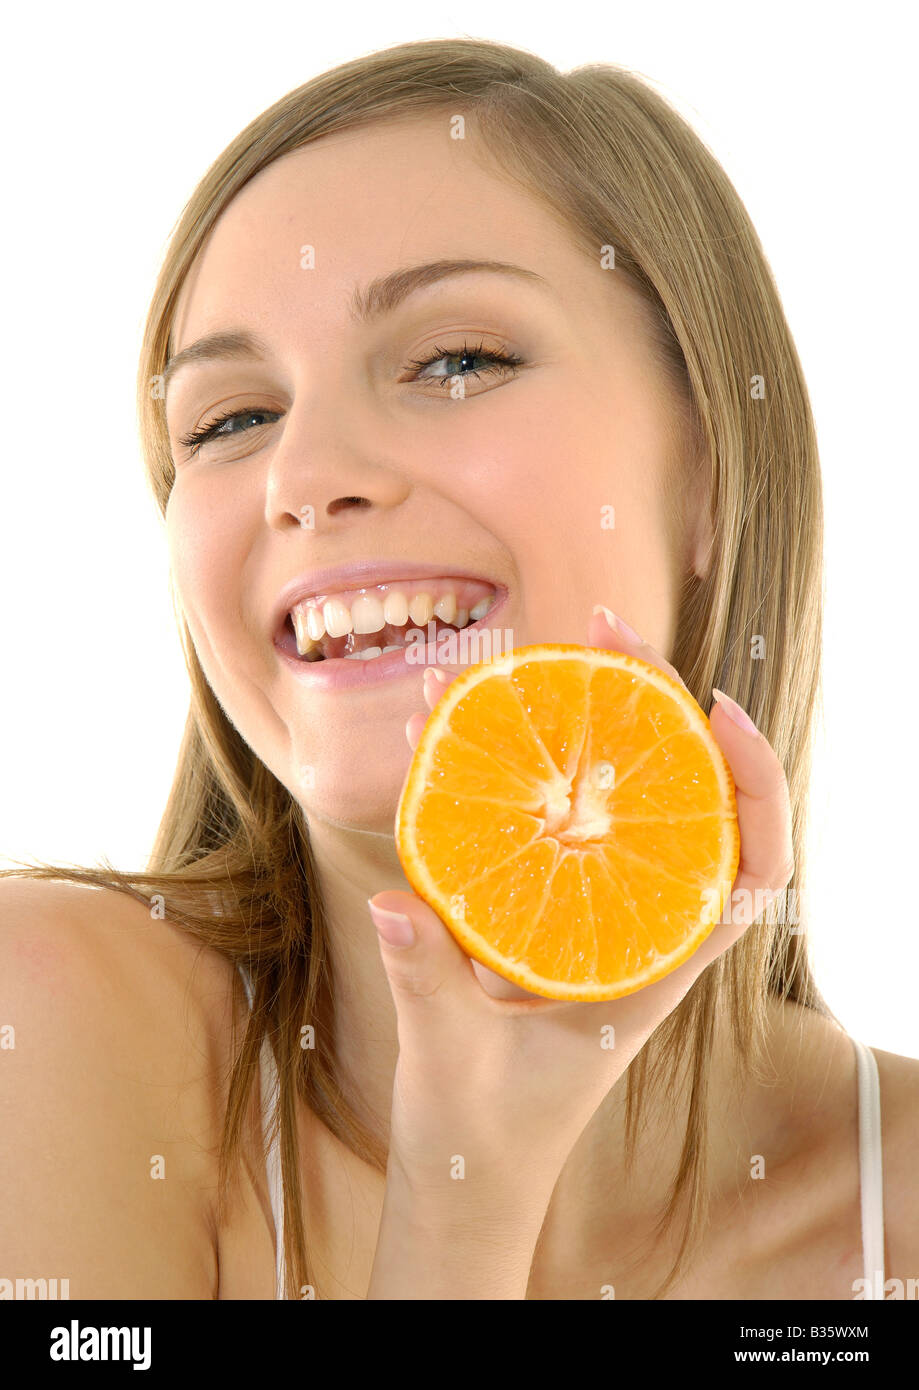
<point>380,297</point>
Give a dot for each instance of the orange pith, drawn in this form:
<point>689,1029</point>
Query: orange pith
<point>571,819</point>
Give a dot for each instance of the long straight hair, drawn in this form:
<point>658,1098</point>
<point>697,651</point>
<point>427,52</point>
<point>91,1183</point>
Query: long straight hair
<point>232,855</point>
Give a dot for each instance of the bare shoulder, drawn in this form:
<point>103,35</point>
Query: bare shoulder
<point>116,968</point>
<point>117,1026</point>
<point>54,927</point>
<point>899,1082</point>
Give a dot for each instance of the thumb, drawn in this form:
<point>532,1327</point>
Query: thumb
<point>421,957</point>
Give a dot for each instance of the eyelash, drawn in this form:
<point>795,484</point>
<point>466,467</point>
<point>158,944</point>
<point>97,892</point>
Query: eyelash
<point>496,356</point>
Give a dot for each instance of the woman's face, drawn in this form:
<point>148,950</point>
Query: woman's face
<point>544,483</point>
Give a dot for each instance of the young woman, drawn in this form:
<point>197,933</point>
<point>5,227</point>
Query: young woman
<point>563,255</point>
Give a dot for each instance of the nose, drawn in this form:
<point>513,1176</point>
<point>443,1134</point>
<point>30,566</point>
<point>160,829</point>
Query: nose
<point>319,476</point>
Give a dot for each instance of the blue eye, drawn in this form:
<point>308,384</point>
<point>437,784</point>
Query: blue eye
<point>495,356</point>
<point>214,429</point>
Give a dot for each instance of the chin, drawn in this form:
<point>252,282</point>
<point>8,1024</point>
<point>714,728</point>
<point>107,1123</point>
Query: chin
<point>358,793</point>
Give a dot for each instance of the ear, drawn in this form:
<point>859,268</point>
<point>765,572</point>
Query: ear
<point>700,531</point>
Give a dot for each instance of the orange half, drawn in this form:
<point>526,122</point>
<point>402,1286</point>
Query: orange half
<point>571,819</point>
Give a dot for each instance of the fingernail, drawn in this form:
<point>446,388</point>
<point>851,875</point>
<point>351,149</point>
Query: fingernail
<point>733,711</point>
<point>394,927</point>
<point>437,674</point>
<point>618,624</point>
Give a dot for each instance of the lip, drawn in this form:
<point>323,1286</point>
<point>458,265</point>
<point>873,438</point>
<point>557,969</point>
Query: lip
<point>343,673</point>
<point>361,574</point>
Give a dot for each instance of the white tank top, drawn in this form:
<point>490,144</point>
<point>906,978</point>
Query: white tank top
<point>869,1158</point>
<point>268,1075</point>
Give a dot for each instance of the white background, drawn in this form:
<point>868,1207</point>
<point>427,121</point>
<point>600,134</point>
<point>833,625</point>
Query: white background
<point>112,115</point>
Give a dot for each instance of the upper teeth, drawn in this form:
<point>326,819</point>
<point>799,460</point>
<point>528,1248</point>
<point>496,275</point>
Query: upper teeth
<point>370,612</point>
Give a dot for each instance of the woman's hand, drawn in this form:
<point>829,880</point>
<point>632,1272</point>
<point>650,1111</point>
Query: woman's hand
<point>508,1080</point>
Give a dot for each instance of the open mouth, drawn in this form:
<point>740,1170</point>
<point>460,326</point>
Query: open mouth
<point>367,623</point>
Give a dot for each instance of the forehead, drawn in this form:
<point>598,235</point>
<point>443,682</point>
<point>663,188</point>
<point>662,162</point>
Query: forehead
<point>367,202</point>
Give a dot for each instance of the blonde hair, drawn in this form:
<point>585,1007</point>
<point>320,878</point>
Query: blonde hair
<point>620,168</point>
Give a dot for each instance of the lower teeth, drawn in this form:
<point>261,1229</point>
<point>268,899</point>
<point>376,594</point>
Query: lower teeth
<point>369,653</point>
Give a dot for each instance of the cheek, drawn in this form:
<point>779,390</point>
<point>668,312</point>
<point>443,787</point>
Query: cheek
<point>570,486</point>
<point>205,552</point>
<point>565,472</point>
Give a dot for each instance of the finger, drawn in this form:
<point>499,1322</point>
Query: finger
<point>603,630</point>
<point>763,815</point>
<point>498,987</point>
<point>436,680</point>
<point>430,963</point>
<point>437,957</point>
<point>413,727</point>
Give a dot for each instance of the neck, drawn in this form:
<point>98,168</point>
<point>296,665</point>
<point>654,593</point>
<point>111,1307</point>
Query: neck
<point>353,866</point>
